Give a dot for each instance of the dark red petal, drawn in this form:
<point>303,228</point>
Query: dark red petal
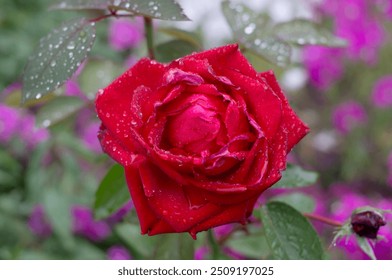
<point>277,153</point>
<point>295,127</point>
<point>113,105</point>
<point>226,57</point>
<point>147,217</point>
<point>262,102</point>
<point>228,214</point>
<point>169,201</point>
<point>125,156</point>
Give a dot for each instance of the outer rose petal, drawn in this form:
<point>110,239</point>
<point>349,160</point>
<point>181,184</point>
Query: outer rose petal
<point>226,57</point>
<point>296,129</point>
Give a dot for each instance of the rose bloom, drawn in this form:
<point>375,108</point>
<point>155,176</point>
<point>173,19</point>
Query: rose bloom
<point>200,138</point>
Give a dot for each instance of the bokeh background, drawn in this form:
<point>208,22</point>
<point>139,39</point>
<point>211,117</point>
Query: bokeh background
<point>51,168</point>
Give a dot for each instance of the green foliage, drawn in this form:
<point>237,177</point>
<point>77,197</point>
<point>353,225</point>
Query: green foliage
<point>289,234</point>
<point>171,50</point>
<point>112,193</point>
<point>259,35</point>
<point>58,109</point>
<point>294,176</point>
<point>57,57</point>
<point>299,201</point>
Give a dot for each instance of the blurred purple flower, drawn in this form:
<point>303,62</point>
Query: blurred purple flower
<point>223,230</point>
<point>89,137</point>
<point>355,23</point>
<point>85,225</point>
<point>382,92</point>
<point>324,65</point>
<point>201,253</point>
<point>118,252</point>
<point>125,34</point>
<point>347,115</point>
<point>38,223</point>
<point>121,213</point>
<point>16,123</point>
<point>9,122</point>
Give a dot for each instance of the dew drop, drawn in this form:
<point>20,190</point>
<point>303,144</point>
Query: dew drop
<point>53,63</point>
<point>71,45</point>
<point>46,123</point>
<point>250,28</point>
<point>38,96</point>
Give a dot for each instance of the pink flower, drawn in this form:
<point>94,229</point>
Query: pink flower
<point>118,252</point>
<point>348,115</point>
<point>382,92</point>
<point>38,223</point>
<point>324,65</point>
<point>125,34</point>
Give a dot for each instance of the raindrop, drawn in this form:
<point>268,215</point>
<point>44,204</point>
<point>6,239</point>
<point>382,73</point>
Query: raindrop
<point>250,28</point>
<point>46,123</point>
<point>71,45</point>
<point>257,42</point>
<point>53,63</point>
<point>127,5</point>
<point>70,55</point>
<point>301,41</point>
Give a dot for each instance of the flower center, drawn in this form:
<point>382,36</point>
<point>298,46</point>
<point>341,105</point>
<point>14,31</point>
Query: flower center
<point>194,129</point>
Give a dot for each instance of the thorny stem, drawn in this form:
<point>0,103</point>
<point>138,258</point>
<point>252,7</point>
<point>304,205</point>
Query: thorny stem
<point>149,36</point>
<point>322,219</point>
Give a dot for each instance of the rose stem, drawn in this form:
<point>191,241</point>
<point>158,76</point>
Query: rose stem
<point>322,219</point>
<point>213,244</point>
<point>149,36</point>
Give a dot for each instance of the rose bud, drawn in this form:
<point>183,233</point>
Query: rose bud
<point>200,138</point>
<point>367,223</point>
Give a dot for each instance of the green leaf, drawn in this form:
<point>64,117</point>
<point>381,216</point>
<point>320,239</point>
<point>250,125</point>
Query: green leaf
<point>251,246</point>
<point>57,208</point>
<point>173,49</point>
<point>112,193</point>
<point>178,246</point>
<point>294,177</point>
<point>81,5</point>
<point>190,37</point>
<point>58,109</point>
<point>301,202</point>
<point>289,234</point>
<point>97,74</point>
<point>141,246</point>
<point>303,32</point>
<point>57,57</point>
<point>10,171</point>
<point>366,247</point>
<point>159,9</point>
<point>252,30</point>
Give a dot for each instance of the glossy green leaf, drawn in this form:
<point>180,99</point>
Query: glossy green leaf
<point>251,246</point>
<point>175,247</point>
<point>174,49</point>
<point>57,57</point>
<point>159,9</point>
<point>81,5</point>
<point>303,32</point>
<point>97,74</point>
<point>301,202</point>
<point>58,109</point>
<point>294,177</point>
<point>252,31</point>
<point>289,234</point>
<point>141,246</point>
<point>112,193</point>
<point>366,247</point>
<point>57,208</point>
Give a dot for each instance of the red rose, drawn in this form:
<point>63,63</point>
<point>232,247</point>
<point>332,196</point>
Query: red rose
<point>200,138</point>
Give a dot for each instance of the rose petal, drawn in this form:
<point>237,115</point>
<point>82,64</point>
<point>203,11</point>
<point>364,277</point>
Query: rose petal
<point>261,102</point>
<point>296,129</point>
<point>226,57</point>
